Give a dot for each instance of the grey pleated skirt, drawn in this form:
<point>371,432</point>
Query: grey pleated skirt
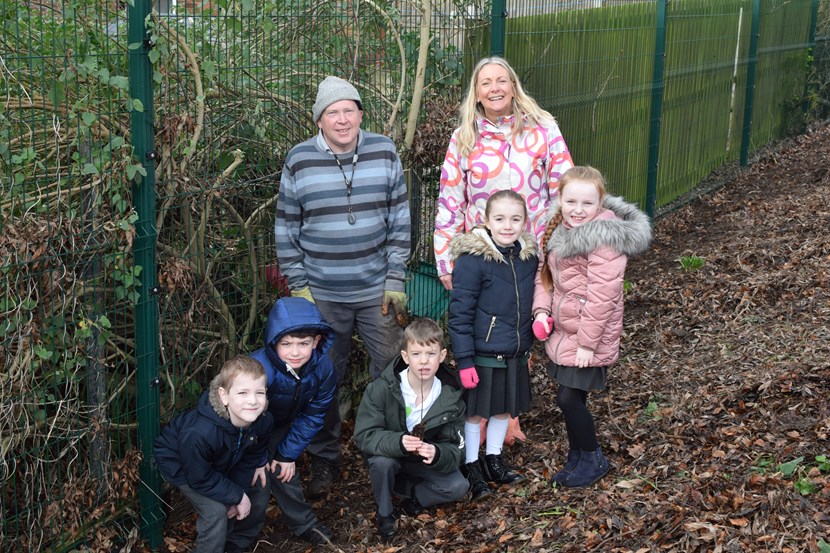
<point>587,379</point>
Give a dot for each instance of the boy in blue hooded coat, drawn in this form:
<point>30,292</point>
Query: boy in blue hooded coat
<point>301,386</point>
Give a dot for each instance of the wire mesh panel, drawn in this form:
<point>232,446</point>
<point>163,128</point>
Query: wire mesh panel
<point>590,66</point>
<point>591,63</point>
<point>236,86</point>
<point>783,66</point>
<point>705,82</point>
<point>67,423</point>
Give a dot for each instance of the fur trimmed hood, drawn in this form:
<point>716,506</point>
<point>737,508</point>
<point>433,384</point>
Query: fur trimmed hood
<point>215,401</point>
<point>479,242</point>
<point>629,233</point>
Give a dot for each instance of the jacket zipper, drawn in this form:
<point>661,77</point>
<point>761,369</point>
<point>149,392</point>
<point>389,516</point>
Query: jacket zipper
<point>239,440</point>
<point>489,330</point>
<point>297,385</point>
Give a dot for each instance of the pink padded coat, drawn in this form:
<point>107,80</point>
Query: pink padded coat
<point>587,264</point>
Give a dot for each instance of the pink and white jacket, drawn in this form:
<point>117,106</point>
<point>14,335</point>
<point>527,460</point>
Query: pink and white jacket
<point>530,163</point>
<point>587,264</point>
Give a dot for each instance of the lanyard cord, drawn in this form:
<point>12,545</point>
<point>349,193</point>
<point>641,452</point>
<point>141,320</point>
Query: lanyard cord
<point>348,182</point>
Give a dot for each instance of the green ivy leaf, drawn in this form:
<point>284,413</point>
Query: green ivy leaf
<point>57,93</point>
<point>787,469</point>
<point>120,82</point>
<point>805,486</point>
<point>89,169</point>
<point>138,105</point>
<point>43,353</point>
<point>88,118</point>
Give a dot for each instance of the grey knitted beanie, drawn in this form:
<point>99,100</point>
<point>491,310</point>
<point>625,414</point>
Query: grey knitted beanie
<point>331,90</point>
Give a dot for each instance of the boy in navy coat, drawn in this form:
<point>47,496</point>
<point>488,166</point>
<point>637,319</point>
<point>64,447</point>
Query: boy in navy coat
<point>216,455</point>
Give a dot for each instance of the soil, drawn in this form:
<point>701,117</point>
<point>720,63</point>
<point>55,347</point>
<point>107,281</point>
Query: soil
<point>717,416</point>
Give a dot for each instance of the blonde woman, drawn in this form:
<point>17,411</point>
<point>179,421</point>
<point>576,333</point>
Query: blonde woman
<point>505,142</point>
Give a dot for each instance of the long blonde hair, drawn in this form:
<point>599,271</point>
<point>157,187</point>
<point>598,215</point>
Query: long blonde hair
<point>581,173</point>
<point>523,107</point>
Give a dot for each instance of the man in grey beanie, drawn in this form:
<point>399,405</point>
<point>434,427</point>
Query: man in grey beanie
<point>343,240</point>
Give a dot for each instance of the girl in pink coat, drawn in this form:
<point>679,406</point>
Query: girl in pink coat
<point>579,297</point>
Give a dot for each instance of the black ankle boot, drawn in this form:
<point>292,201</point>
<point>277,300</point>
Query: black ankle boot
<point>478,486</point>
<point>499,473</point>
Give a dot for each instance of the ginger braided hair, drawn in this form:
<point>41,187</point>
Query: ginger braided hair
<point>581,173</point>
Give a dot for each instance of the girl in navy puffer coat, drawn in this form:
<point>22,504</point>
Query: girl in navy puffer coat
<point>490,329</point>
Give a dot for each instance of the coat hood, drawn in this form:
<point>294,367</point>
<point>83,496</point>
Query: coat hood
<point>627,232</point>
<point>479,242</point>
<point>292,314</point>
<point>215,403</point>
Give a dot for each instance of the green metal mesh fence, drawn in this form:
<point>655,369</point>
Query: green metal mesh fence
<point>67,422</point>
<point>229,92</point>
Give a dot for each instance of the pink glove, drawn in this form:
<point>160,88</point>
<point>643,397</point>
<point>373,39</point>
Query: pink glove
<point>469,377</point>
<point>542,326</point>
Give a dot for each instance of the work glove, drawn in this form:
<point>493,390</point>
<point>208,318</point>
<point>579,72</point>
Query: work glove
<point>469,377</point>
<point>542,326</point>
<point>398,301</point>
<point>304,293</point>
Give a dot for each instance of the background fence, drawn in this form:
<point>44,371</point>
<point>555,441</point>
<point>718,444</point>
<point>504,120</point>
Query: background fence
<point>140,158</point>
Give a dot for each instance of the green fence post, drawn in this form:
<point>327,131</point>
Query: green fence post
<point>499,18</point>
<point>657,87</point>
<point>750,81</point>
<point>805,105</point>
<point>144,253</point>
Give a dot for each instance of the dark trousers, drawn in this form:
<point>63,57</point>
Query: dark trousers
<point>433,487</point>
<point>382,337</point>
<point>289,496</point>
<point>215,532</point>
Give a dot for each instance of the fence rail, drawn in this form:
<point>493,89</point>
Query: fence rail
<point>139,163</point>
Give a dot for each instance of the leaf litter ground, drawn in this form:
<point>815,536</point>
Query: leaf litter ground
<point>713,418</point>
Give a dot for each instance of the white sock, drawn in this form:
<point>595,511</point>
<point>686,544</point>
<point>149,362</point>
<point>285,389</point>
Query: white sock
<point>496,432</point>
<point>472,437</point>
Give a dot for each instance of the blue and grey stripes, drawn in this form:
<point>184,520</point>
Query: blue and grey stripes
<point>316,244</point>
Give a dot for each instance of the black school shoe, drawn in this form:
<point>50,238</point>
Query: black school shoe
<point>386,527</point>
<point>475,476</point>
<point>319,534</point>
<point>499,473</point>
<point>411,507</point>
<point>321,476</point>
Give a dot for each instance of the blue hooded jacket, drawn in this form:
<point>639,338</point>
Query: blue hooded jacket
<point>203,449</point>
<point>301,401</point>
